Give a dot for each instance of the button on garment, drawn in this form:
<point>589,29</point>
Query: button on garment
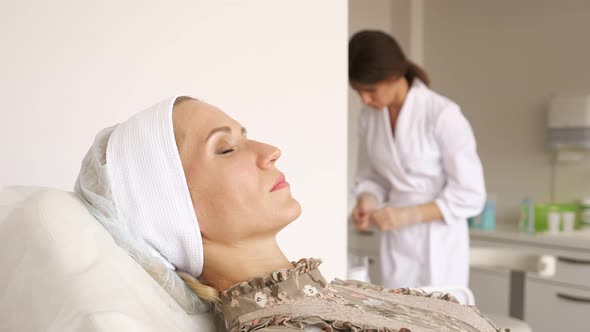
<point>432,158</point>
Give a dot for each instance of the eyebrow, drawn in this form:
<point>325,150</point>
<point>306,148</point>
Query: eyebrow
<point>225,129</point>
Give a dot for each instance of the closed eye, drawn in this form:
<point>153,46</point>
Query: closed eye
<point>227,151</point>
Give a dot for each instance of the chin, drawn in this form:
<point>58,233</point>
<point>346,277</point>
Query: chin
<point>297,209</point>
<point>289,212</point>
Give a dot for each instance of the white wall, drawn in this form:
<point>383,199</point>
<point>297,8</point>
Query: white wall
<point>70,68</point>
<point>501,61</point>
<point>391,16</point>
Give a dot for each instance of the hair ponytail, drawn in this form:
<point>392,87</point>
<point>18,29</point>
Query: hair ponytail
<point>415,71</point>
<point>206,293</point>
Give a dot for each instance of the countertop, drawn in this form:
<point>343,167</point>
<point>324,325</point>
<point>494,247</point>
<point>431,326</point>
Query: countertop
<point>577,240</point>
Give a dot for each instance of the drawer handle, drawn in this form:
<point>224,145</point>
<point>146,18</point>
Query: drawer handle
<point>573,298</point>
<point>573,261</point>
<point>366,233</point>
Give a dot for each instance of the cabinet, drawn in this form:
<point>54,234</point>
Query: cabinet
<point>366,244</point>
<point>553,306</point>
<point>490,289</point>
<point>560,303</point>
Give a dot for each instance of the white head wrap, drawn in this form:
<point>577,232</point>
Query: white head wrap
<point>133,182</point>
<point>150,190</point>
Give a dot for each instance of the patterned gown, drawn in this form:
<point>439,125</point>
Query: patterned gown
<point>300,299</point>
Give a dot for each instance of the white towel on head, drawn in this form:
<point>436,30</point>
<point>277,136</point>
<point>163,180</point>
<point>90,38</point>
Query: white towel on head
<point>149,188</point>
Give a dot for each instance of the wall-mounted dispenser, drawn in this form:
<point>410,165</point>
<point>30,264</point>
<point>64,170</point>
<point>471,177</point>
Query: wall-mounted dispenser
<point>569,122</point>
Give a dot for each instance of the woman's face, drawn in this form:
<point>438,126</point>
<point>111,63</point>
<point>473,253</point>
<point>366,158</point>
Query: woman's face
<point>378,95</point>
<point>236,190</point>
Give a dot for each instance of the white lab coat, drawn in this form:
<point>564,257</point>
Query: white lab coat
<point>432,157</point>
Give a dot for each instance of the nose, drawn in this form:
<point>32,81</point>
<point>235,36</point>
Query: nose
<point>366,98</point>
<point>267,155</point>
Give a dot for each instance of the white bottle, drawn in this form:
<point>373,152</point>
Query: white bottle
<point>568,219</point>
<point>553,222</point>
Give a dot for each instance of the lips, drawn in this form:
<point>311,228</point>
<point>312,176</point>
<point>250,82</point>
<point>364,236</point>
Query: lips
<point>280,183</point>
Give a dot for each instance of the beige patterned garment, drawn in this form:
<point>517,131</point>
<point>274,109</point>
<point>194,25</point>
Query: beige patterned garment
<point>300,298</point>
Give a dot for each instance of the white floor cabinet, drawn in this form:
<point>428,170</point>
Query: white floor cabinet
<point>560,303</point>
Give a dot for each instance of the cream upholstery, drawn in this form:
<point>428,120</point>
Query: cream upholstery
<point>61,271</point>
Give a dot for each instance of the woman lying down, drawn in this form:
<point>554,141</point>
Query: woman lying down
<point>182,182</point>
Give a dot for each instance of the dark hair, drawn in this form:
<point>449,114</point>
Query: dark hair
<point>374,56</point>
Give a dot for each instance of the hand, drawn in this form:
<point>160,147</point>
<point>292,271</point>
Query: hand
<point>390,218</point>
<point>365,205</point>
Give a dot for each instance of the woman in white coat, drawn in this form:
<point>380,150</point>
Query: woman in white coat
<point>419,176</point>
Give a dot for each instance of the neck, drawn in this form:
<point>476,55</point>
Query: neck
<point>397,103</point>
<point>228,264</point>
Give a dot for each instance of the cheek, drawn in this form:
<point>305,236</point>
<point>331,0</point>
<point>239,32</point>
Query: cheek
<point>227,192</point>
<point>242,173</point>
<point>387,95</point>
<point>224,179</point>
<point>239,181</point>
